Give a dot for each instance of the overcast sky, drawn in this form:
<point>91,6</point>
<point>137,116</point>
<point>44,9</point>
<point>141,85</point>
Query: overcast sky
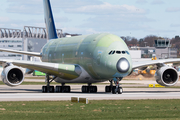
<point>136,18</point>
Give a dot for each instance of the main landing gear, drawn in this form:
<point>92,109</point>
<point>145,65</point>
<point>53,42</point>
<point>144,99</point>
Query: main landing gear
<point>63,88</point>
<point>114,89</point>
<point>50,89</point>
<point>89,89</point>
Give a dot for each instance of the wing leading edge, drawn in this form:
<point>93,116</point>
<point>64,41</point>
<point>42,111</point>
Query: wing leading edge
<point>154,62</point>
<point>22,52</point>
<point>65,71</point>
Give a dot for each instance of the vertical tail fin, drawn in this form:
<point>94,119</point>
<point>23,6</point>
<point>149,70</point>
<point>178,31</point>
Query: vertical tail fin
<point>49,20</point>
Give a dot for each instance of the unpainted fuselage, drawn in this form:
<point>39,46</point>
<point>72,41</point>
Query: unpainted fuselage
<point>97,54</point>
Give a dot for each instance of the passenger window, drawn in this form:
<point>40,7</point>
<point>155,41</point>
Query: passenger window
<point>110,52</point>
<point>123,52</point>
<point>113,52</point>
<point>118,52</point>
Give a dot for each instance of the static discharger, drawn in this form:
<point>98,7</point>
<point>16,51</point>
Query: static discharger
<point>79,100</point>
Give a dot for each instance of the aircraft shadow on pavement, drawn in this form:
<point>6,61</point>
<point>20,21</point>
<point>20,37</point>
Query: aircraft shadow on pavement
<point>74,90</point>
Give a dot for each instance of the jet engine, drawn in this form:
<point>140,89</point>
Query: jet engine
<point>12,75</point>
<point>166,76</point>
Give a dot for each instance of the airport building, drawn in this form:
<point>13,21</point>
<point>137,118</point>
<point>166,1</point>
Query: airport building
<point>31,39</point>
<point>10,39</point>
<point>161,50</point>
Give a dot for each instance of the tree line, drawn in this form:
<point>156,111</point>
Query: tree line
<point>146,41</point>
<point>149,41</point>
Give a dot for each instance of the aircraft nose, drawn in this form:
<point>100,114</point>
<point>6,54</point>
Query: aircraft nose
<point>123,65</point>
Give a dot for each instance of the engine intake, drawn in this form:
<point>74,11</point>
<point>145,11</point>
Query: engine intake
<point>166,76</point>
<point>12,75</point>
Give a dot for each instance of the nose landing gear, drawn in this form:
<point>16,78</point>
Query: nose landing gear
<point>114,89</point>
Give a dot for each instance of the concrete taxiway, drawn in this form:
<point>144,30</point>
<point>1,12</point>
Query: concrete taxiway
<point>33,93</point>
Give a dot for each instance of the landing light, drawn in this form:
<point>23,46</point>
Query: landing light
<point>123,65</point>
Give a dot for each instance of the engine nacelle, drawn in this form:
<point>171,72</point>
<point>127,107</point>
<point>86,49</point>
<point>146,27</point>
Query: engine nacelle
<point>166,76</point>
<point>12,75</point>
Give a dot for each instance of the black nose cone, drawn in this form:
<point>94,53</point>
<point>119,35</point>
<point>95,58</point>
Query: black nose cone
<point>123,65</point>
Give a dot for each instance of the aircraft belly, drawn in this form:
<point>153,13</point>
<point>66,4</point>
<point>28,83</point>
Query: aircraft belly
<point>78,80</point>
<point>83,78</point>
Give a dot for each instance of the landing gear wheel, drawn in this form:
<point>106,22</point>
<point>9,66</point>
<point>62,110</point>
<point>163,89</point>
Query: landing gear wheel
<point>114,90</point>
<point>92,89</point>
<point>89,89</point>
<point>66,89</point>
<point>120,90</point>
<point>108,89</point>
<point>58,89</point>
<point>51,89</point>
<point>85,89</point>
<point>48,88</point>
<point>44,89</point>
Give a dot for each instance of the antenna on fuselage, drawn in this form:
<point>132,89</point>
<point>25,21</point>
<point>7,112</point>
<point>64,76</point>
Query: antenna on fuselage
<point>49,21</point>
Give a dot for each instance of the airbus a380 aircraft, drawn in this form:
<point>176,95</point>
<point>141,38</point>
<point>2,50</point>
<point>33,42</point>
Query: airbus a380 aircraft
<point>83,59</point>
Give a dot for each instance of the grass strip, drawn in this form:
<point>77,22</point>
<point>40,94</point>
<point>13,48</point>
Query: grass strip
<point>103,109</point>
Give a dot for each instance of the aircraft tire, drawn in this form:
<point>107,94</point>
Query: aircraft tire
<point>44,89</point>
<point>85,89</point>
<point>58,89</point>
<point>66,89</point>
<point>108,89</point>
<point>51,89</point>
<point>92,89</point>
<point>114,90</point>
<point>120,90</point>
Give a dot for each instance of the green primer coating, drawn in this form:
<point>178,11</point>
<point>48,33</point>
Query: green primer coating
<point>88,51</point>
<point>38,73</point>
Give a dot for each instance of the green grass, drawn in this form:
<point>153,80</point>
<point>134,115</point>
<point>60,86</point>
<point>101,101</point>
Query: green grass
<point>105,109</point>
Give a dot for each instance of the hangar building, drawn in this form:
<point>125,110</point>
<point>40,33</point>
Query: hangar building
<point>31,39</point>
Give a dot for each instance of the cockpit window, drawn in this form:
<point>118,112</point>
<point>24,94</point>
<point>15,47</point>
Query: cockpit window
<point>123,52</point>
<point>127,52</point>
<point>118,52</point>
<point>110,52</point>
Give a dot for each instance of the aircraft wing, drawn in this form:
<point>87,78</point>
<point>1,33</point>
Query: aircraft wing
<point>22,52</point>
<point>65,71</point>
<point>154,62</point>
